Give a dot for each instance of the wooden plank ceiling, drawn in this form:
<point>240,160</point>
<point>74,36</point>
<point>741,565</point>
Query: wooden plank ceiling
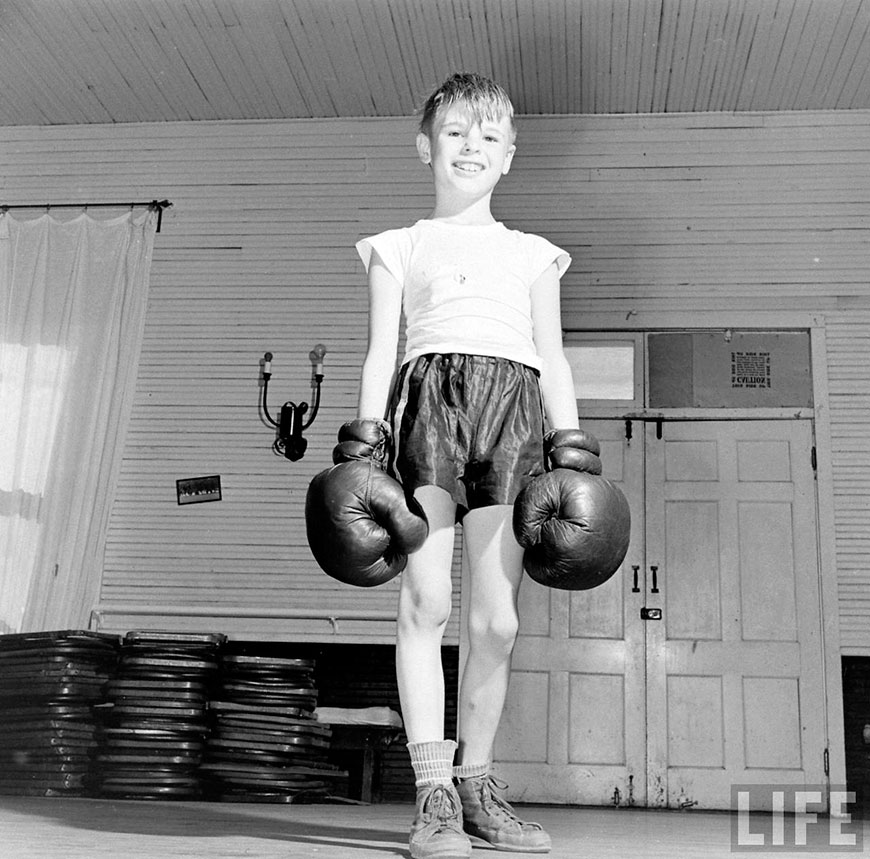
<point>112,61</point>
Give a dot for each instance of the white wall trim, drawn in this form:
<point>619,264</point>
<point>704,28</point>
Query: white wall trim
<point>694,320</point>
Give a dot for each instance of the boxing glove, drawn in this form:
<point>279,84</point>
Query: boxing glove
<point>573,523</point>
<point>361,527</point>
<point>572,448</point>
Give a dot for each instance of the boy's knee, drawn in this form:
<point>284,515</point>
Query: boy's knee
<point>423,618</point>
<point>429,609</point>
<point>495,633</point>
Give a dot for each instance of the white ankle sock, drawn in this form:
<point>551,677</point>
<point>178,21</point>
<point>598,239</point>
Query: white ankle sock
<point>470,770</point>
<point>432,761</point>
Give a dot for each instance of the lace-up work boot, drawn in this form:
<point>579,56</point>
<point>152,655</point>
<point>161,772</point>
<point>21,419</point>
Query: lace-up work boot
<point>436,832</point>
<point>489,817</point>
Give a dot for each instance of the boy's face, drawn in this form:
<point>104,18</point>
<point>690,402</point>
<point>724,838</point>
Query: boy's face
<point>466,152</point>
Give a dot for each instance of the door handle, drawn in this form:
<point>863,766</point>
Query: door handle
<point>636,587</point>
<point>655,579</point>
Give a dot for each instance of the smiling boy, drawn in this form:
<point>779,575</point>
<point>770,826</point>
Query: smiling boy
<point>469,148</point>
<point>483,363</point>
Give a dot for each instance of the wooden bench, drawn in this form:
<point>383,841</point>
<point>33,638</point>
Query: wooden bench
<point>365,777</point>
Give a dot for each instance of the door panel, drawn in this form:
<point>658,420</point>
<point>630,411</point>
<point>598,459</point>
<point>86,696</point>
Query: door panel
<point>734,673</point>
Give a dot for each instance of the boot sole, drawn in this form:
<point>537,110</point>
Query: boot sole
<point>477,841</point>
<point>447,853</point>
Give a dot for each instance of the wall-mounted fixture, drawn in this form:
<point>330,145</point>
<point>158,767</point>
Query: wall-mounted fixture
<point>289,441</point>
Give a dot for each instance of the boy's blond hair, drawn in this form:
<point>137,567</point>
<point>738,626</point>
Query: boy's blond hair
<point>484,98</point>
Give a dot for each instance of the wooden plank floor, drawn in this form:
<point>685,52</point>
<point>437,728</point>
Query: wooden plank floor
<point>49,828</point>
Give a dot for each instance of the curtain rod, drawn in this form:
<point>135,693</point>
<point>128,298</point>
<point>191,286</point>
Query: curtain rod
<point>157,205</point>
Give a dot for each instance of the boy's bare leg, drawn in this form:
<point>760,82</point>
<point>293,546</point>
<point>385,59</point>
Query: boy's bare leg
<point>495,561</point>
<point>425,600</point>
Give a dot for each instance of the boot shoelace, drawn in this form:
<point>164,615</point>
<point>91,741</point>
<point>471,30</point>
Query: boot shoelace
<point>441,806</point>
<point>499,807</point>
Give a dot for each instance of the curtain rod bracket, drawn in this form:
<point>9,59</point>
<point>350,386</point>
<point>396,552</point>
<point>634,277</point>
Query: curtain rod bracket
<point>159,206</point>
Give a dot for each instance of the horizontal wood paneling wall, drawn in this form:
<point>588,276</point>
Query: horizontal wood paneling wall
<point>702,212</point>
<point>848,339</point>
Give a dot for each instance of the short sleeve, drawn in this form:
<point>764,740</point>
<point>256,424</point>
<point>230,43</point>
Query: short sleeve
<point>563,261</point>
<point>546,253</point>
<point>537,254</point>
<point>392,246</point>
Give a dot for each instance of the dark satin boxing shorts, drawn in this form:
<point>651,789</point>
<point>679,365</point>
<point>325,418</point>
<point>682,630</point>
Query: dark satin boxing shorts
<point>471,424</point>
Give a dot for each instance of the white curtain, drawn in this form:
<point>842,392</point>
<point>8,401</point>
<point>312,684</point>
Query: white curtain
<point>72,308</point>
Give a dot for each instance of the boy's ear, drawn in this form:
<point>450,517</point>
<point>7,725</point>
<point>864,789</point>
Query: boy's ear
<point>424,148</point>
<point>508,159</point>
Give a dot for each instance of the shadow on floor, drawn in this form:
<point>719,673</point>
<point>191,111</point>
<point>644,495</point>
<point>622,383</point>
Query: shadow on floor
<point>218,820</point>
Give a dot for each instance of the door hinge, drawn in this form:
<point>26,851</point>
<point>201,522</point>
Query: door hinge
<point>827,762</point>
<point>813,460</point>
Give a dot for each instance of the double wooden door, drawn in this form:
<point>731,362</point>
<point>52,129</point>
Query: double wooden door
<point>699,665</point>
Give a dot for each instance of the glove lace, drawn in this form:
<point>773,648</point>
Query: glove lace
<point>380,452</point>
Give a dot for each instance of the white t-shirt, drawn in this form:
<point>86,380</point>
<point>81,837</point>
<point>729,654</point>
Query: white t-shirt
<point>466,288</point>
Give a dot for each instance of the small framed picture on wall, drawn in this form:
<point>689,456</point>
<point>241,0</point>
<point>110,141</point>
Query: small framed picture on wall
<point>195,490</point>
